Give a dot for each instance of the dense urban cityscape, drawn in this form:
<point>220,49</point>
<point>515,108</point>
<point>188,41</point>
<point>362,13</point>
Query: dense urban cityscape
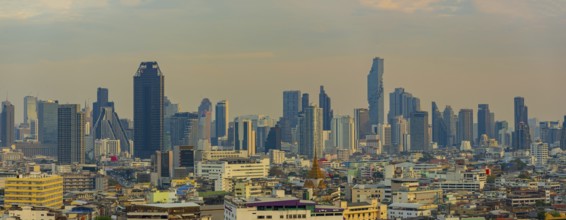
<point>67,161</point>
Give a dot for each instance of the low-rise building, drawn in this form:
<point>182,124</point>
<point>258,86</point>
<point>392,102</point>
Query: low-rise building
<point>188,211</point>
<point>224,171</point>
<point>409,210</point>
<point>35,189</point>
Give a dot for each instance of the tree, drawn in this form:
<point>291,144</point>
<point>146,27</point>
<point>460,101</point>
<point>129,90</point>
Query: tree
<point>103,218</point>
<point>276,171</point>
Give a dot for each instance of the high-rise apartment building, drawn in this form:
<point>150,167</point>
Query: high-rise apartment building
<point>485,124</point>
<point>148,109</point>
<point>47,122</point>
<point>451,120</point>
<point>401,141</point>
<point>375,92</point>
<point>244,135</point>
<point>362,123</point>
<point>563,135</point>
<point>30,116</point>
<point>7,124</point>
<point>205,119</point>
<point>222,118</point>
<point>310,132</point>
<point>343,133</point>
<point>184,129</point>
<point>419,131</point>
<point>273,141</point>
<point>70,135</point>
<point>439,127</point>
<point>304,101</point>
<point>465,126</point>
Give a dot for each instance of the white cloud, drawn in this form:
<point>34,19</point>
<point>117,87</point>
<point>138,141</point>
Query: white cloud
<point>53,9</point>
<point>407,6</point>
<point>526,9</point>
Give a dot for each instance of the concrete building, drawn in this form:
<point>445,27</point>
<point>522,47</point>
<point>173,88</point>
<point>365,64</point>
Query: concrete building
<point>225,170</point>
<point>363,210</point>
<point>32,213</point>
<point>539,154</point>
<point>287,208</point>
<point>277,156</point>
<point>106,148</point>
<point>376,95</point>
<point>84,182</point>
<point>70,135</point>
<point>36,189</point>
<point>343,133</point>
<point>189,211</point>
<point>310,132</point>
<point>409,210</point>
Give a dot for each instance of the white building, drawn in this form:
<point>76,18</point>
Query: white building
<point>539,153</point>
<point>105,148</point>
<point>278,207</point>
<point>31,213</point>
<point>409,210</point>
<point>277,156</point>
<point>219,154</point>
<point>223,171</point>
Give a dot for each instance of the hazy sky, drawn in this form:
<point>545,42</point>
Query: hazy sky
<point>456,52</point>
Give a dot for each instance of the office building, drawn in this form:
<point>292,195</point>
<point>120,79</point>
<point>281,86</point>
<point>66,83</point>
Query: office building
<point>419,132</point>
<point>225,170</point>
<point>108,126</point>
<point>563,136</point>
<point>183,161</point>
<point>30,117</point>
<point>465,126</point>
<point>451,121</point>
<point>70,135</point>
<point>401,141</point>
<point>500,127</point>
<point>521,135</point>
<point>550,132</point>
<point>101,103</point>
<point>485,121</point>
<point>402,103</point>
<point>304,101</point>
<point>375,92</point>
<point>47,118</point>
<point>36,189</point>
<point>343,133</point>
<point>148,109</point>
<point>273,141</point>
<point>184,129</point>
<point>244,136</point>
<point>222,118</point>
<point>164,167</point>
<point>439,127</point>
<point>205,119</point>
<point>325,104</point>
<point>310,132</point>
<point>539,154</point>
<point>291,107</point>
<point>362,123</point>
<point>7,124</point>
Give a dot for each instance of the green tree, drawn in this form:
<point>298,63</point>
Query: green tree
<point>103,218</point>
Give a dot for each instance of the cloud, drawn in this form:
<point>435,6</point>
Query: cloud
<point>526,9</point>
<point>47,9</point>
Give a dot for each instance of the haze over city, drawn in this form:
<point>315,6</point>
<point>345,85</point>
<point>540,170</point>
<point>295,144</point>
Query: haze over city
<point>457,53</point>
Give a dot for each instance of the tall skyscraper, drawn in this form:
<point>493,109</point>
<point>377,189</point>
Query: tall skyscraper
<point>500,130</point>
<point>343,133</point>
<point>361,123</point>
<point>465,126</point>
<point>484,121</point>
<point>375,92</point>
<point>563,135</point>
<point>148,109</point>
<point>419,131</point>
<point>402,103</point>
<point>222,118</point>
<point>205,119</point>
<point>273,141</point>
<point>439,127</point>
<point>30,116</point>
<point>401,141</point>
<point>169,109</point>
<point>244,135</point>
<point>47,122</point>
<point>304,101</point>
<point>451,121</point>
<point>7,126</point>
<point>291,107</point>
<point>521,136</point>
<point>310,132</point>
<point>101,102</point>
<point>325,103</point>
<point>184,129</point>
<point>70,135</point>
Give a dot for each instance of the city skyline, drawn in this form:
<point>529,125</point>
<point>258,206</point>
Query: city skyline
<point>336,56</point>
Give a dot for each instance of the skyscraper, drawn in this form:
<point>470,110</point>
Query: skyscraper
<point>521,136</point>
<point>563,135</point>
<point>273,141</point>
<point>70,135</point>
<point>500,130</point>
<point>325,103</point>
<point>101,102</point>
<point>47,122</point>
<point>401,141</point>
<point>205,119</point>
<point>484,121</point>
<point>222,118</point>
<point>465,126</point>
<point>304,101</point>
<point>402,103</point>
<point>291,107</point>
<point>184,129</point>
<point>244,135</point>
<point>148,109</point>
<point>343,133</point>
<point>7,127</point>
<point>169,109</point>
<point>375,92</point>
<point>419,131</point>
<point>451,121</point>
<point>30,115</point>
<point>439,127</point>
<point>361,123</point>
<point>310,132</point>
